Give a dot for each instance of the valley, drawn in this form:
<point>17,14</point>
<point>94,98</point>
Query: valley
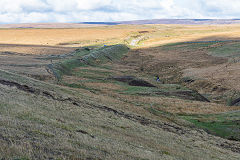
<point>92,92</point>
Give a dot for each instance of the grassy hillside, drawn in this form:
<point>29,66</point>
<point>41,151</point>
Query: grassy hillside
<point>216,89</point>
<point>101,100</point>
<point>87,57</point>
<point>42,121</point>
<point>225,125</point>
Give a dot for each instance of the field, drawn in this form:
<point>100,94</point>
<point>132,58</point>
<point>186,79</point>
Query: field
<point>91,92</point>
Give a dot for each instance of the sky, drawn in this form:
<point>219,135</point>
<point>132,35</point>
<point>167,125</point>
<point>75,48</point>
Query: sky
<point>42,11</point>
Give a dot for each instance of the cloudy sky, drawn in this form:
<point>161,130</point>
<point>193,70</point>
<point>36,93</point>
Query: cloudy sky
<point>26,11</point>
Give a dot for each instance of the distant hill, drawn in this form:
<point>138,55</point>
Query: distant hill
<point>136,22</point>
<point>183,21</point>
<point>101,23</point>
<point>49,25</point>
<point>171,21</point>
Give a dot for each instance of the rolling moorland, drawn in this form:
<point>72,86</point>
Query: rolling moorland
<point>91,92</point>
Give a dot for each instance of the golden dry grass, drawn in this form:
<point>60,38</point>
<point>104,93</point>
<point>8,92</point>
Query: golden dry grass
<point>57,36</point>
<point>35,49</point>
<point>158,34</point>
<point>166,34</point>
<point>47,41</point>
<point>155,35</point>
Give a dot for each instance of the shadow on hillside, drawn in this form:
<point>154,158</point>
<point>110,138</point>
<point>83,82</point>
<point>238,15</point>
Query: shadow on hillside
<point>178,56</point>
<point>170,62</point>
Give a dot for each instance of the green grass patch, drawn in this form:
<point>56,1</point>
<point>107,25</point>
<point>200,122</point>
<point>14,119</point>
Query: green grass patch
<point>82,86</point>
<point>93,72</point>
<point>95,57</point>
<point>82,52</point>
<point>90,76</point>
<point>155,111</point>
<point>161,90</point>
<point>186,46</point>
<point>226,50</point>
<point>225,125</point>
<point>133,90</point>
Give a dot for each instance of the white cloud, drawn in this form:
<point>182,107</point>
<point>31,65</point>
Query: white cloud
<point>224,7</point>
<point>62,6</point>
<point>23,11</point>
<point>16,6</point>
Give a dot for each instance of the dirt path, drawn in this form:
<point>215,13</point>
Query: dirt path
<point>135,41</point>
